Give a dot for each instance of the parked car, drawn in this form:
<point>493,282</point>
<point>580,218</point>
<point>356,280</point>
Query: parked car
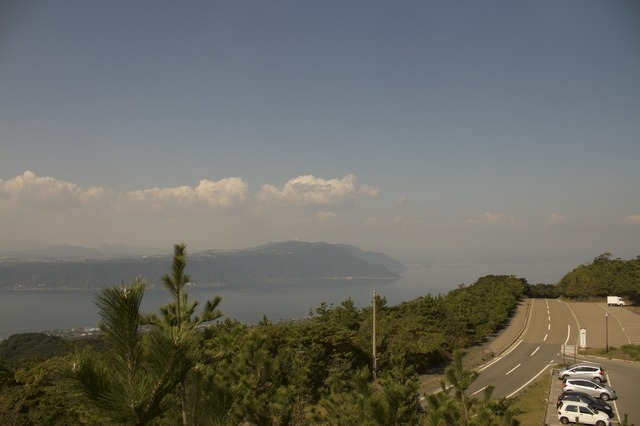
<point>596,403</point>
<point>583,371</point>
<point>594,389</point>
<point>579,412</point>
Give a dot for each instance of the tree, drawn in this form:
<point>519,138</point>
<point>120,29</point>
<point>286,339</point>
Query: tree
<point>460,409</point>
<point>133,382</point>
<point>461,379</point>
<point>603,277</point>
<point>178,318</point>
<point>30,394</point>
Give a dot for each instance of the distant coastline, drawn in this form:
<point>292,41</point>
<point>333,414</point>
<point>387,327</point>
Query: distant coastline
<point>277,263</point>
<point>245,284</point>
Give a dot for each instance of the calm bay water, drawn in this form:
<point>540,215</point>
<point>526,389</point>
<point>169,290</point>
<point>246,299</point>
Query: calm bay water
<point>41,310</point>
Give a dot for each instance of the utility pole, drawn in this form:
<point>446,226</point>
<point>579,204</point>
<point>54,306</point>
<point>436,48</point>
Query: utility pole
<point>606,332</point>
<point>373,338</point>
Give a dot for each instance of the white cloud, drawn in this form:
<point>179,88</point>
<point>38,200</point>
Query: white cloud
<point>225,193</point>
<point>491,218</point>
<point>632,219</point>
<point>29,191</point>
<point>555,218</point>
<point>308,190</point>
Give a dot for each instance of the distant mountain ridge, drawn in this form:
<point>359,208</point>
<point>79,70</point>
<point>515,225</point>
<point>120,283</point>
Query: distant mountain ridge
<point>70,251</point>
<point>376,258</point>
<point>78,267</point>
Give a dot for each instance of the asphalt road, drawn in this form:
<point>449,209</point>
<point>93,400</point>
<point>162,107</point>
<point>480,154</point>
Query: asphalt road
<point>551,337</point>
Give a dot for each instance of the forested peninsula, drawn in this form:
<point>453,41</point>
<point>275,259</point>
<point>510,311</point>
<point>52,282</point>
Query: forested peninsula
<point>275,262</point>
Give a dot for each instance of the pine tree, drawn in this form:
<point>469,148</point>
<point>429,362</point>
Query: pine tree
<point>135,381</point>
<point>178,319</point>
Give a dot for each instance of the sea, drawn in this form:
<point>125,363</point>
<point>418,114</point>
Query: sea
<point>23,311</point>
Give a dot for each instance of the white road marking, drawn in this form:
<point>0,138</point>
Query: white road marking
<point>501,357</point>
<point>532,353</point>
<point>619,323</point>
<point>568,333</point>
<point>613,402</point>
<point>478,391</point>
<point>511,371</point>
<point>527,384</point>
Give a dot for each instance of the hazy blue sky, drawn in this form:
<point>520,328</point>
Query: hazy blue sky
<point>417,128</point>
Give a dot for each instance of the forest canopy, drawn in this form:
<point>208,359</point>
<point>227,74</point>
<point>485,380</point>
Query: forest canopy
<point>601,278</point>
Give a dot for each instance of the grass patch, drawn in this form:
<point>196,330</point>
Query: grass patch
<point>532,403</point>
<point>625,352</point>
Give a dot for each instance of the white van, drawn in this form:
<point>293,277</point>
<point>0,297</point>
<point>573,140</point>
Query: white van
<point>615,301</point>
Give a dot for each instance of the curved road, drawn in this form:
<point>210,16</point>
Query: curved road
<point>553,325</point>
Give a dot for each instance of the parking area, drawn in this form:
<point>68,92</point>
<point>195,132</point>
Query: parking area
<point>551,417</point>
<point>555,389</point>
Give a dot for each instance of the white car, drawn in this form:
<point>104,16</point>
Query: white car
<point>580,412</point>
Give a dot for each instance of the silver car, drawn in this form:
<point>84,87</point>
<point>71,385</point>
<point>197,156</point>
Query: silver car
<point>597,390</point>
<point>583,371</point>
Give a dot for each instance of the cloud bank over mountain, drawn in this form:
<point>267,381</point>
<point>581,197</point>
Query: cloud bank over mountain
<point>226,213</point>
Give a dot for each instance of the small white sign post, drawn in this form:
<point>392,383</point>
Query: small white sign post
<point>583,338</point>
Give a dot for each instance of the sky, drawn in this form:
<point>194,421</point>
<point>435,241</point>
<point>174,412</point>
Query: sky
<point>423,129</point>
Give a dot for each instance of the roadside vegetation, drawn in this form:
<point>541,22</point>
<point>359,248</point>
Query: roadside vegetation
<point>624,352</point>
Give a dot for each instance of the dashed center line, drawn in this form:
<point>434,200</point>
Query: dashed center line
<point>478,391</point>
<point>510,371</point>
